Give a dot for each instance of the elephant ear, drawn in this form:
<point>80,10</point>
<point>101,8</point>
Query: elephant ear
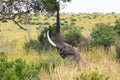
<point>49,39</point>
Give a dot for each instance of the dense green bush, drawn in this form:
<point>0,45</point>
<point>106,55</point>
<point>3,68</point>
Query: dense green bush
<point>43,37</point>
<point>117,26</point>
<point>18,70</point>
<point>73,37</point>
<point>92,76</point>
<point>103,35</point>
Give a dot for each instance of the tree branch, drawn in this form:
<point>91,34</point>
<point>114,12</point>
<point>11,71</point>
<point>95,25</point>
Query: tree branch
<point>19,25</point>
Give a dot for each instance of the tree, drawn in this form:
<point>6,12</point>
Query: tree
<point>10,9</point>
<point>103,35</point>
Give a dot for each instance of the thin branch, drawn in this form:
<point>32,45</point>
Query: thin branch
<point>19,25</point>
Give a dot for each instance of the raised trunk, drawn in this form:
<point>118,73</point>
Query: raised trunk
<point>58,38</point>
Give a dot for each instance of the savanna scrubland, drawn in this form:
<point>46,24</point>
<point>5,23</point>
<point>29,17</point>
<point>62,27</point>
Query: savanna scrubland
<point>27,63</point>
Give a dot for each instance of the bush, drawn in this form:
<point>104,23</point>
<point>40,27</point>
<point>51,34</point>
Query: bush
<point>32,44</point>
<point>103,35</point>
<point>4,21</point>
<point>117,26</point>
<point>43,37</point>
<point>92,76</point>
<point>73,37</point>
<point>46,23</point>
<point>18,70</point>
<point>73,20</point>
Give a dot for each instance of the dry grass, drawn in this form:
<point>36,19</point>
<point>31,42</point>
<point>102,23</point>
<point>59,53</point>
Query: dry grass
<point>102,64</point>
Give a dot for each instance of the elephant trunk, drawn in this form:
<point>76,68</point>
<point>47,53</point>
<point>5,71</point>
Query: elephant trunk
<point>58,38</point>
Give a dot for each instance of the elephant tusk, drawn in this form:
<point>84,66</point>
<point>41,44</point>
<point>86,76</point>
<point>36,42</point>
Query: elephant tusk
<point>51,42</point>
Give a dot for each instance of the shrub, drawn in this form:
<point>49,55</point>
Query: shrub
<point>46,23</point>
<point>43,37</point>
<point>24,71</point>
<point>34,23</point>
<point>73,37</point>
<point>4,21</point>
<point>73,20</point>
<point>117,26</point>
<point>92,76</point>
<point>103,35</point>
<point>32,44</point>
<point>18,70</point>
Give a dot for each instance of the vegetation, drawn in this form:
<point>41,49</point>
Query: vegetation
<point>17,64</point>
<point>103,35</point>
<point>117,26</point>
<point>73,37</point>
<point>117,29</point>
<point>32,44</point>
<point>48,64</point>
<point>18,70</point>
<point>92,76</point>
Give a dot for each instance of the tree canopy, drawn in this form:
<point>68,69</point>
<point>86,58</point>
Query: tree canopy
<point>10,9</point>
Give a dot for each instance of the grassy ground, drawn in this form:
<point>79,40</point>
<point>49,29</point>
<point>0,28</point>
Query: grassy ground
<point>106,64</point>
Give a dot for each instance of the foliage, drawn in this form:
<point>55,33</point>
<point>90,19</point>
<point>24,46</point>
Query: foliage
<point>73,37</point>
<point>51,6</point>
<point>11,6</point>
<point>117,26</point>
<point>103,35</point>
<point>48,64</point>
<point>4,21</point>
<point>18,70</point>
<point>92,76</point>
<point>32,44</point>
<point>43,37</point>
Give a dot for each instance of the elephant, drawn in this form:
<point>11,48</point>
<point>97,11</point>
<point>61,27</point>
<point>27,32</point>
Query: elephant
<point>66,50</point>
